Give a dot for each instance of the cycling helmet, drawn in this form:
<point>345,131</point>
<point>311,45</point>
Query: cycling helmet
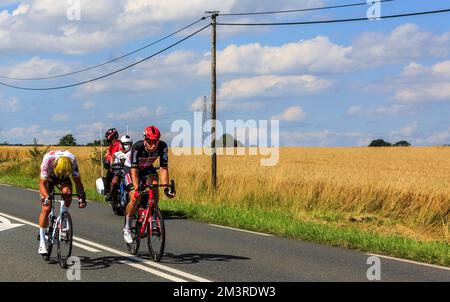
<point>111,134</point>
<point>63,167</point>
<point>152,133</point>
<point>126,142</point>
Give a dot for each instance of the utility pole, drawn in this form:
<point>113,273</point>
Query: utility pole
<point>214,14</point>
<point>204,117</point>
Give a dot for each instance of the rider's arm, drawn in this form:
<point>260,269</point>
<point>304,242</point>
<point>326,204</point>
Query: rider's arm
<point>43,188</point>
<point>164,173</point>
<point>78,184</point>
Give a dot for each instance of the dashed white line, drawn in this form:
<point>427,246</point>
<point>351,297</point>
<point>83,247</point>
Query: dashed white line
<point>141,260</point>
<point>133,261</point>
<point>85,247</point>
<point>240,230</point>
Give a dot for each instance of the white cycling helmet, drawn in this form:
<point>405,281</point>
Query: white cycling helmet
<point>126,142</point>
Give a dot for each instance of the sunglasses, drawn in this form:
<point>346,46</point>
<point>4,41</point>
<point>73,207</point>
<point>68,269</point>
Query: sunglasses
<point>151,141</point>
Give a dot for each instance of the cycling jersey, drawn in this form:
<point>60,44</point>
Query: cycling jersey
<point>116,146</point>
<point>140,158</point>
<point>48,164</point>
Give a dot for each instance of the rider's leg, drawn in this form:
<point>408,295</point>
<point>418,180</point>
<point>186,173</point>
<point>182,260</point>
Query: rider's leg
<point>43,221</point>
<point>66,189</point>
<point>153,179</point>
<point>108,180</point>
<point>114,183</point>
<point>132,205</point>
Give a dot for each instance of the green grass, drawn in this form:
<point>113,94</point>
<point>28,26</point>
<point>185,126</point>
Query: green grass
<point>284,224</point>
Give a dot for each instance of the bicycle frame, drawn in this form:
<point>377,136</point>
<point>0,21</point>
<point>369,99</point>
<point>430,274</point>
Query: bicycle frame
<point>56,225</point>
<point>152,204</point>
<point>148,212</point>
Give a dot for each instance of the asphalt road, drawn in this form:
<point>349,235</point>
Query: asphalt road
<point>194,252</point>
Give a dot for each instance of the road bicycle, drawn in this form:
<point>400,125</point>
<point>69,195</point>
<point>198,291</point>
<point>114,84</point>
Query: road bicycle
<point>149,222</point>
<point>59,231</point>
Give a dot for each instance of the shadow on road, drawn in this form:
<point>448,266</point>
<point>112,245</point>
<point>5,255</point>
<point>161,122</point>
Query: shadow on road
<point>169,215</point>
<point>192,258</point>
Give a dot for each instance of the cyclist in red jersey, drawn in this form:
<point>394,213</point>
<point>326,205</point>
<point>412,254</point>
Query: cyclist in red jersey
<point>112,136</point>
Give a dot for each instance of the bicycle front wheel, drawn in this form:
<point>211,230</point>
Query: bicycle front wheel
<point>65,237</point>
<point>156,235</point>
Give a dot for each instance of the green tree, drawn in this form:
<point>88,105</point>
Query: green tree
<point>227,140</point>
<point>379,143</point>
<point>67,140</point>
<point>402,144</point>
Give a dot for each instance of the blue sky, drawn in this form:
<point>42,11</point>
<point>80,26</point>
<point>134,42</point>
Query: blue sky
<point>329,85</point>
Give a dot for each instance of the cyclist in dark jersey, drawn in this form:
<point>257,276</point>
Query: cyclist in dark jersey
<point>139,167</point>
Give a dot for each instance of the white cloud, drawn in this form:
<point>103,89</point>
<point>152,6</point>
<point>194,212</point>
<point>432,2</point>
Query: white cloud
<point>406,42</point>
<point>11,105</point>
<point>88,105</point>
<point>355,110</point>
<point>393,109</point>
<point>60,117</point>
<point>437,138</point>
<point>26,134</point>
<point>272,86</point>
<point>35,67</point>
<point>291,114</point>
<point>134,114</point>
<point>405,132</point>
<point>315,55</point>
<point>325,137</point>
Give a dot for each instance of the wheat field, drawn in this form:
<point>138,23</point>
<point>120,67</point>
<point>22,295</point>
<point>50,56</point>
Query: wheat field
<point>397,190</point>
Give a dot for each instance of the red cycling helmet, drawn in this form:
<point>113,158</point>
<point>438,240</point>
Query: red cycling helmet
<point>111,134</point>
<point>152,133</point>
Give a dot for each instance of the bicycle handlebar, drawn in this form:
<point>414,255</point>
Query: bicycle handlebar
<point>171,186</point>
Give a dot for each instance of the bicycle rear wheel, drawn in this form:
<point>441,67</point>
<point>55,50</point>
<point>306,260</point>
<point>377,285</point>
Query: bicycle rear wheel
<point>133,247</point>
<point>65,237</point>
<point>156,235</point>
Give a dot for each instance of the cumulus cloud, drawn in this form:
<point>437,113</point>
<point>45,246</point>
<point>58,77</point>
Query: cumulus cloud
<point>423,84</point>
<point>9,105</point>
<point>405,132</point>
<point>26,134</point>
<point>324,137</point>
<point>60,117</point>
<point>88,105</point>
<point>272,87</point>
<point>291,114</point>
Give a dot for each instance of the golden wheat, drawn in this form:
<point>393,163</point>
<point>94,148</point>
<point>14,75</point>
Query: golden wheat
<point>410,185</point>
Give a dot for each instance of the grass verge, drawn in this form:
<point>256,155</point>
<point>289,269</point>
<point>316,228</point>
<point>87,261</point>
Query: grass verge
<point>283,224</point>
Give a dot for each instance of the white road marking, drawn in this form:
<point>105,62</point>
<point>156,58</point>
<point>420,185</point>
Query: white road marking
<point>5,224</point>
<point>142,260</point>
<point>152,271</point>
<point>32,190</point>
<point>85,247</point>
<point>240,230</point>
<point>5,185</point>
<point>131,260</point>
<point>411,262</point>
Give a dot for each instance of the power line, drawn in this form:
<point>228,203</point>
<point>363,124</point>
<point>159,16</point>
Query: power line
<point>107,62</point>
<point>335,21</point>
<point>302,9</point>
<point>111,73</point>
